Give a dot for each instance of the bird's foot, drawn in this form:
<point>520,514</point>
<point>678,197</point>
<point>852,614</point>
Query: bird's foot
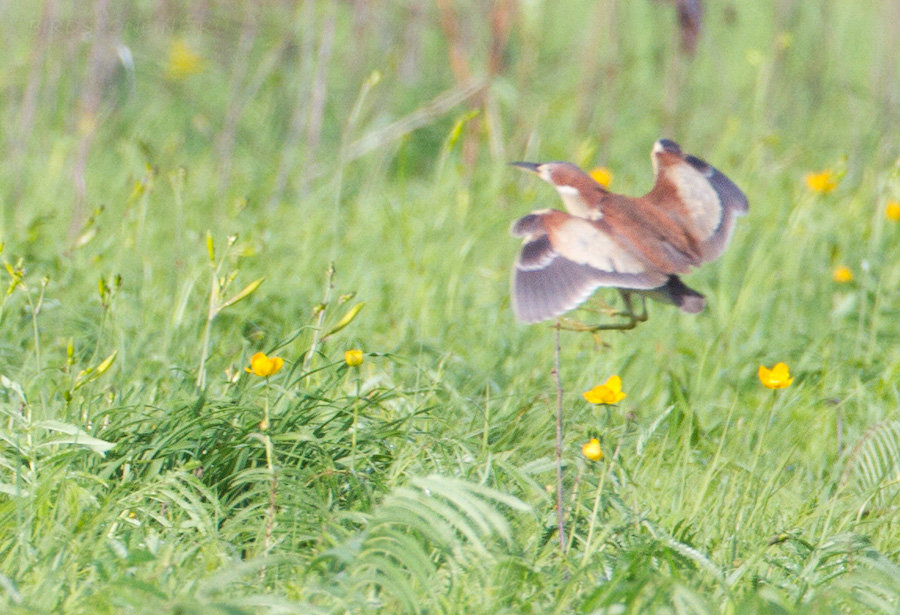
<point>631,321</point>
<point>631,318</point>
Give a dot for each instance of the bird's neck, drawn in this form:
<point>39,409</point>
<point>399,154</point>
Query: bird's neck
<point>580,204</point>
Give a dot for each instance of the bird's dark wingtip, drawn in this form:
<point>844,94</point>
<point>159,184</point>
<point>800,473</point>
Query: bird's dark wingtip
<point>666,145</point>
<point>685,297</point>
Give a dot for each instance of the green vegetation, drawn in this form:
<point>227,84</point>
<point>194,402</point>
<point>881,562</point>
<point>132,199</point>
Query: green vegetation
<point>162,159</point>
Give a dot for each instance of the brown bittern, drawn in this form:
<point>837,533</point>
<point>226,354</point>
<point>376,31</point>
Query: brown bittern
<point>639,244</point>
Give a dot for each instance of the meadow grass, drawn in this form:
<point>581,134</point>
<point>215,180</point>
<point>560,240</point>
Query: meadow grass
<point>309,145</point>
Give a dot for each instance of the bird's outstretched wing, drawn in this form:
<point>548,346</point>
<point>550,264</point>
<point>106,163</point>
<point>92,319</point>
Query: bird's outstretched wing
<point>564,259</point>
<point>697,196</point>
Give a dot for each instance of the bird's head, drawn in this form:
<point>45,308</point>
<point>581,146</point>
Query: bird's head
<point>578,190</point>
<point>556,173</point>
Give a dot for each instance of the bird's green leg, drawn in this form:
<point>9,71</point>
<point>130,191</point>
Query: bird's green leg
<point>629,310</point>
<point>631,322</point>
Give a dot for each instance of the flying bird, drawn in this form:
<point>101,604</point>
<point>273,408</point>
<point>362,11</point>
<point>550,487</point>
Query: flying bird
<point>636,244</point>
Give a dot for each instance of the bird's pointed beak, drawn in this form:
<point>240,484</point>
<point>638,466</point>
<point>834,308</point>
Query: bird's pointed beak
<point>531,167</point>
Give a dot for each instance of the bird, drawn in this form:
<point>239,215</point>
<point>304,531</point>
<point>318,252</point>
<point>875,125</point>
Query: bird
<point>636,244</point>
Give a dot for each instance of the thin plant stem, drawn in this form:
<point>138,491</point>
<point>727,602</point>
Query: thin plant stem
<point>177,180</point>
<point>355,425</point>
<point>740,522</point>
<point>35,310</point>
<point>762,436</point>
<point>485,432</point>
<point>839,428</point>
<point>265,423</point>
<point>337,234</point>
<point>270,465</point>
<point>216,305</point>
<point>99,334</point>
<point>573,502</point>
<point>270,513</point>
<point>329,285</point>
<point>204,345</point>
<point>560,516</point>
<point>607,468</point>
<point>142,211</point>
<point>270,516</point>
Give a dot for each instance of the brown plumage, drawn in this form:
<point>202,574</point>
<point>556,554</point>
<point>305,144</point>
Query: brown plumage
<point>608,239</point>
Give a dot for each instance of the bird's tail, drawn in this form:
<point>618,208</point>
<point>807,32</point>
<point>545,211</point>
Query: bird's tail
<point>676,292</point>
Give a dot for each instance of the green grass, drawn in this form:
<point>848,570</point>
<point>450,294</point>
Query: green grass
<point>421,481</point>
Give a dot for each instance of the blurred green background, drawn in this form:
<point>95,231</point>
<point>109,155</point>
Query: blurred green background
<point>163,157</point>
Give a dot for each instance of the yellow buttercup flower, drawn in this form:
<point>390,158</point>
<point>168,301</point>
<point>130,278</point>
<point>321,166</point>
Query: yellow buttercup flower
<point>591,449</point>
<point>607,393</point>
<point>842,274</point>
<point>602,176</point>
<point>261,365</point>
<point>822,182</point>
<point>892,211</point>
<point>183,61</point>
<point>778,377</point>
<point>353,358</point>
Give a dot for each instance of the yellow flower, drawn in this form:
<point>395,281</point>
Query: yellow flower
<point>608,393</point>
<point>822,182</point>
<point>842,274</point>
<point>776,378</point>
<point>183,61</point>
<point>591,450</point>
<point>892,211</point>
<point>354,357</point>
<point>602,176</point>
<point>261,365</point>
